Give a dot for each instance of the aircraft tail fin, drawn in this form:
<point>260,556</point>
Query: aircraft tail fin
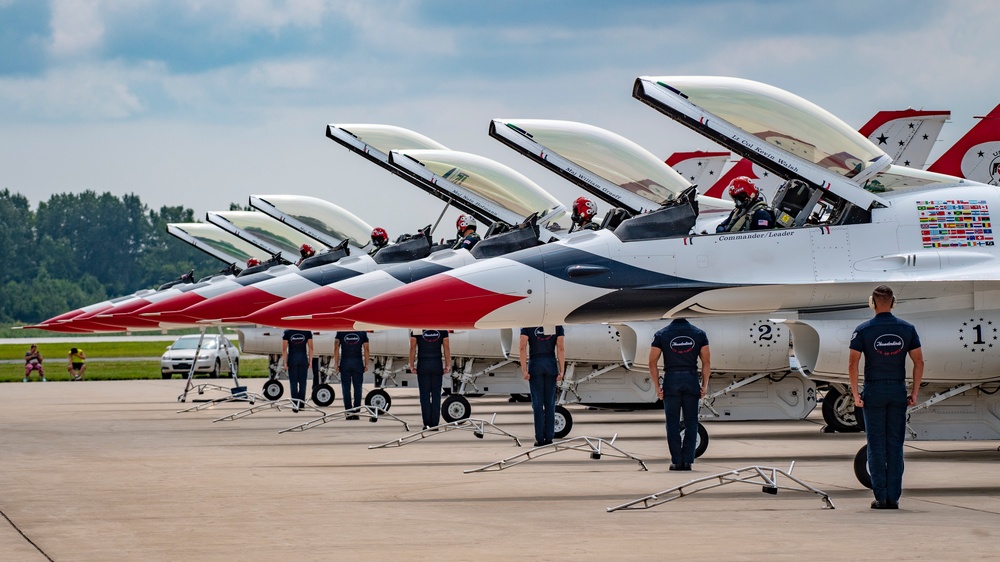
<point>976,156</point>
<point>907,135</point>
<point>698,167</point>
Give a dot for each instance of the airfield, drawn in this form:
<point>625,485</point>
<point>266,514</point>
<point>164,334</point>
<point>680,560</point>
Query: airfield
<point>112,471</point>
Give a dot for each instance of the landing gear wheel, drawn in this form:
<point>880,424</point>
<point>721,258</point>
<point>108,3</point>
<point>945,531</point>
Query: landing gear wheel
<point>273,390</point>
<point>214,374</point>
<point>323,395</point>
<point>455,407</point>
<point>564,422</point>
<point>861,467</point>
<point>378,399</point>
<point>701,443</point>
<point>839,412</point>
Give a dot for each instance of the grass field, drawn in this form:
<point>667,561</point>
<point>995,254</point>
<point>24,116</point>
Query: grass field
<point>146,365</point>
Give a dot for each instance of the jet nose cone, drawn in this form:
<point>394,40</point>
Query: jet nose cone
<point>169,310</point>
<point>441,301</point>
<point>231,305</point>
<point>322,300</point>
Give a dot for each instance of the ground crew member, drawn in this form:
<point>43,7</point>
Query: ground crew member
<point>350,355</point>
<point>682,345</point>
<point>751,212</point>
<point>77,366</point>
<point>297,354</point>
<point>543,356</point>
<point>467,236</point>
<point>430,359</point>
<point>885,342</point>
<point>305,252</point>
<point>379,239</point>
<point>584,211</point>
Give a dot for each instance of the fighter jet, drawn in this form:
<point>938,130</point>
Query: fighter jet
<point>849,221</point>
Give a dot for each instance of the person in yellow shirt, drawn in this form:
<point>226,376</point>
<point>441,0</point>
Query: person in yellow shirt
<point>77,359</point>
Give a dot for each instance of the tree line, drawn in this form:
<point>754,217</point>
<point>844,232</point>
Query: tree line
<point>80,248</point>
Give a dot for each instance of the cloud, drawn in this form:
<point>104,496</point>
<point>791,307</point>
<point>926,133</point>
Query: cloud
<point>89,91</point>
<point>77,27</point>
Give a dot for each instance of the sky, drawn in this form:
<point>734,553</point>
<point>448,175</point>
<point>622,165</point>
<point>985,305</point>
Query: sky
<point>205,102</point>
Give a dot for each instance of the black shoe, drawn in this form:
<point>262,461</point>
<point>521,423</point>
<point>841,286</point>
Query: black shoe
<point>352,417</point>
<point>879,504</point>
<point>539,443</point>
<point>676,467</point>
<point>547,442</point>
<point>889,504</point>
<point>685,466</point>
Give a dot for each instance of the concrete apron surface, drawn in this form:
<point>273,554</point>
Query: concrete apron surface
<point>111,471</point>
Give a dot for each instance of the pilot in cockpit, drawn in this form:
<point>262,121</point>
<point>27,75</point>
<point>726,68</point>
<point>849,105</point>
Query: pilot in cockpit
<point>467,236</point>
<point>379,239</point>
<point>752,211</point>
<point>584,211</point>
<point>305,252</point>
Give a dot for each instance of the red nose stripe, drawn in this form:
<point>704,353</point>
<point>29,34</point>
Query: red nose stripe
<point>441,301</point>
<point>60,318</point>
<point>233,304</point>
<point>168,310</point>
<point>322,300</point>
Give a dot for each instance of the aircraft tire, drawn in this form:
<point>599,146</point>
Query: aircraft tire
<point>378,398</point>
<point>273,389</point>
<point>839,412</point>
<point>564,422</point>
<point>701,444</point>
<point>323,395</point>
<point>455,407</point>
<point>861,467</point>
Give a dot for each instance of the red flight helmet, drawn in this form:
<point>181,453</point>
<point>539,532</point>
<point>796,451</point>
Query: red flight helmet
<point>465,222</point>
<point>583,210</point>
<point>253,262</point>
<point>379,237</point>
<point>306,251</point>
<point>742,190</point>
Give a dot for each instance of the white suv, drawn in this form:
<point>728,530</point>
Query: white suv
<point>211,357</point>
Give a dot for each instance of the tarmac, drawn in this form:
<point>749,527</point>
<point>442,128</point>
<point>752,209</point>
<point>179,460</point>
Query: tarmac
<point>112,471</point>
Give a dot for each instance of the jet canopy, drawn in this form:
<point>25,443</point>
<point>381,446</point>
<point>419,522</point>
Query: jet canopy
<point>329,223</point>
<point>496,185</point>
<point>262,231</point>
<point>639,181</point>
<point>215,242</point>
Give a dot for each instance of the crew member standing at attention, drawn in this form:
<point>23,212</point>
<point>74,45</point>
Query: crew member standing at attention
<point>543,356</point>
<point>584,211</point>
<point>467,236</point>
<point>751,212</point>
<point>681,344</point>
<point>297,354</point>
<point>885,341</point>
<point>77,363</point>
<point>431,352</point>
<point>350,355</point>
<point>379,240</point>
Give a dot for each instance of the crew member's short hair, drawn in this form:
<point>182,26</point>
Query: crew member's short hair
<point>883,295</point>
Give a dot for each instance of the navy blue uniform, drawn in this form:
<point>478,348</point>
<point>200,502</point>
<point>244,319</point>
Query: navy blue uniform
<point>430,373</point>
<point>681,343</point>
<point>298,363</point>
<point>468,242</point>
<point>885,342</point>
<point>543,370</point>
<point>352,366</point>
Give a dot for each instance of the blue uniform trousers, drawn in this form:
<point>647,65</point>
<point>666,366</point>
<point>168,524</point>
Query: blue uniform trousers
<point>429,383</point>
<point>297,373</point>
<point>885,427</point>
<point>542,385</point>
<point>681,391</point>
<point>351,376</point>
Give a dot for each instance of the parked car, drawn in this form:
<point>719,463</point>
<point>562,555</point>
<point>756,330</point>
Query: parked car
<point>211,358</point>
